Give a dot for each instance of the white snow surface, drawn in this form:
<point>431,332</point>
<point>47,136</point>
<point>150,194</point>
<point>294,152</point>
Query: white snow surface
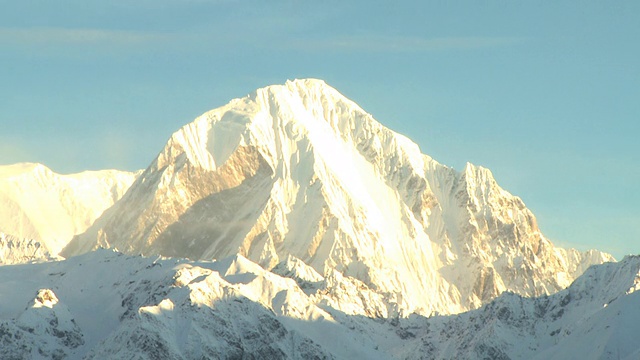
<point>39,204</point>
<point>299,170</point>
<point>106,305</point>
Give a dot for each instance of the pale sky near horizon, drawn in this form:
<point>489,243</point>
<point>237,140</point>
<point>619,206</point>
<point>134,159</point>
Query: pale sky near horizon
<point>545,95</point>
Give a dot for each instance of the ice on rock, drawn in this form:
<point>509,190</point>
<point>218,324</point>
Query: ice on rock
<point>46,298</point>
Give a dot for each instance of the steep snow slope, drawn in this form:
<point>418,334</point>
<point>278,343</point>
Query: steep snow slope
<point>298,169</point>
<point>106,305</point>
<point>36,203</point>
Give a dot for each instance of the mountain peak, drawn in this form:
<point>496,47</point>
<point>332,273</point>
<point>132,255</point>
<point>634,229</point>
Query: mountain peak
<point>308,83</point>
<point>270,119</point>
<point>295,90</point>
<point>7,171</point>
<point>313,89</point>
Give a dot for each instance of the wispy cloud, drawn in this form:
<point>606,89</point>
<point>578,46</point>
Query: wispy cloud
<point>402,43</point>
<point>43,35</point>
<point>353,43</point>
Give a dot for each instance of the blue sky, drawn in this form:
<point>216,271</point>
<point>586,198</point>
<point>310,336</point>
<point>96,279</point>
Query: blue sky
<point>545,95</point>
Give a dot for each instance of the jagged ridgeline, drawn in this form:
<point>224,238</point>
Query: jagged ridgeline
<point>300,170</point>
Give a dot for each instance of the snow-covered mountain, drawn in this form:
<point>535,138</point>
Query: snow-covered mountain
<point>106,305</point>
<point>14,250</point>
<point>597,317</point>
<point>298,170</point>
<point>38,204</point>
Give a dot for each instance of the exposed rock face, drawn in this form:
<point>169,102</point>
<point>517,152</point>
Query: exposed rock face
<point>298,169</point>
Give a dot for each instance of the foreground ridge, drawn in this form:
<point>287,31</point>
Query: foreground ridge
<point>106,305</point>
